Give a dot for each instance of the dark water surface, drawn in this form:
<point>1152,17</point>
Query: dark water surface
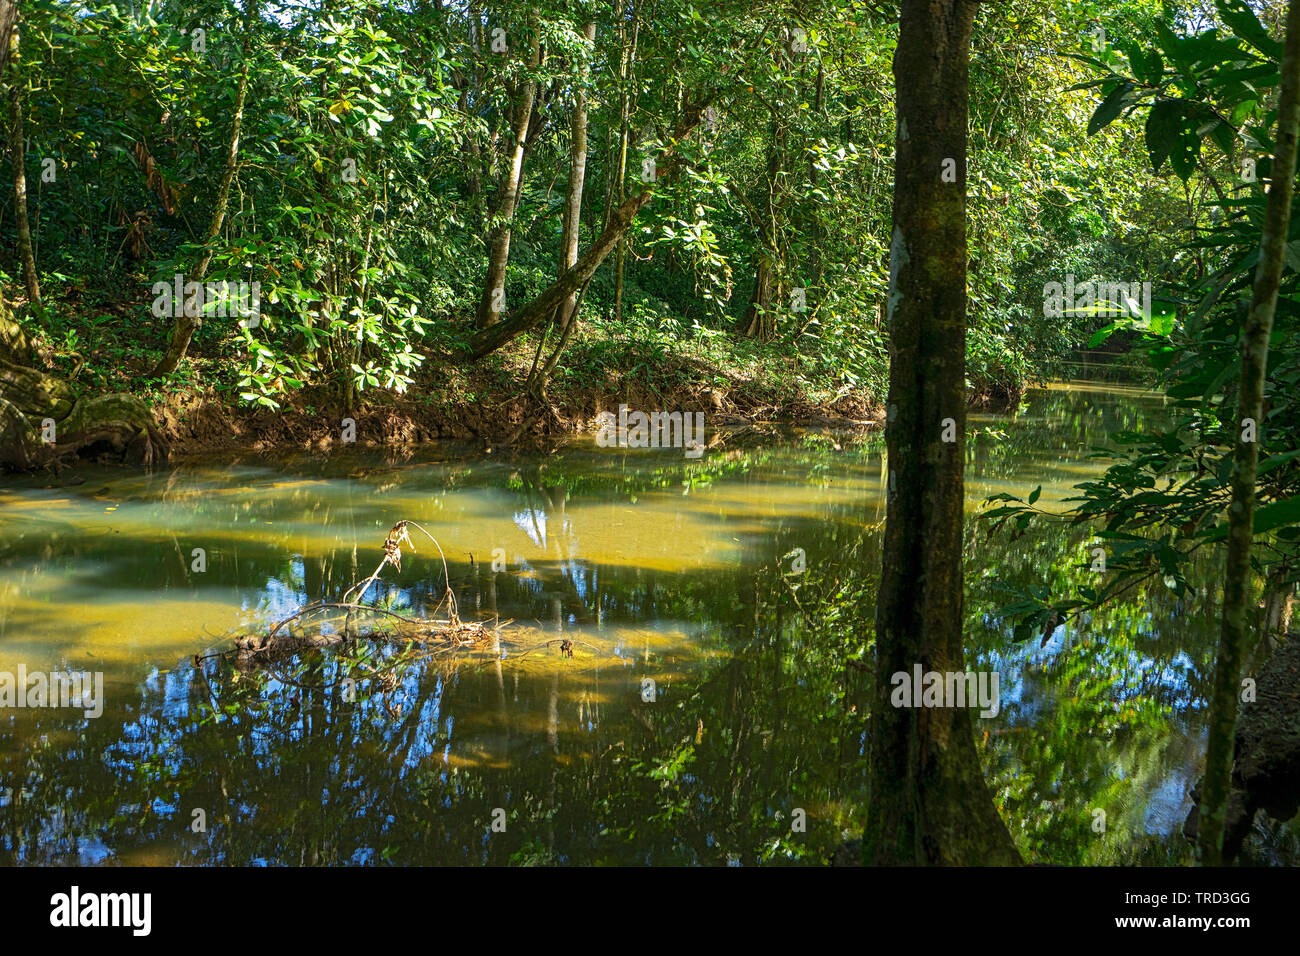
<point>750,748</point>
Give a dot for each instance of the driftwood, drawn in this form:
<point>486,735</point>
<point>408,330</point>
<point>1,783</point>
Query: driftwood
<point>447,633</point>
<point>31,400</point>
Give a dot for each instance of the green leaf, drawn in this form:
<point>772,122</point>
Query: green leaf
<point>1225,137</point>
<point>1123,95</point>
<point>1175,49</point>
<point>1164,130</point>
<point>1162,323</point>
<point>1147,64</point>
<point>1293,254</point>
<point>1238,15</point>
<point>1033,495</point>
<point>1272,461</point>
<point>1184,159</point>
<point>1277,514</point>
<point>1102,334</point>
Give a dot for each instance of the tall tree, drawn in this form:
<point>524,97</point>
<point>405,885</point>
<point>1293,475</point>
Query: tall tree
<point>929,801</point>
<point>8,18</point>
<point>11,72</point>
<point>1241,513</point>
<point>523,93</point>
<point>617,192</point>
<point>544,305</point>
<point>185,325</point>
<point>577,178</point>
<point>759,320</point>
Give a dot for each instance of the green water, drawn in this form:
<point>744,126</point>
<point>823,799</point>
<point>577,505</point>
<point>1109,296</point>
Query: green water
<point>660,568</point>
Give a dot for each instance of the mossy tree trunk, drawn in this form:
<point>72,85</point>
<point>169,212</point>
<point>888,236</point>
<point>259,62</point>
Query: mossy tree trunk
<point>929,801</point>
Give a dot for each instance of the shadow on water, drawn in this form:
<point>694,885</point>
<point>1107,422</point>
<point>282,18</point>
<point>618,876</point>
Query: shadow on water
<point>714,709</point>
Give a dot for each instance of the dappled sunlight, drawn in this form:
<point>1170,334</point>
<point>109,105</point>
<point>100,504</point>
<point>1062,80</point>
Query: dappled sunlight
<point>641,635</point>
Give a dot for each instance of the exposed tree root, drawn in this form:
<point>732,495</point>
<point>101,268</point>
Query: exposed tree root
<point>43,420</point>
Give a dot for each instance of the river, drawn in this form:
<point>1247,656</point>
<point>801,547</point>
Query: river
<point>714,708</point>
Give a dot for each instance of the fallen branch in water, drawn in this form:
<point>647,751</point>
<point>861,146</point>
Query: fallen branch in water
<point>450,632</point>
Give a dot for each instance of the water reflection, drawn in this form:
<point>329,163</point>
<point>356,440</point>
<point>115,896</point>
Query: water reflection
<point>657,568</point>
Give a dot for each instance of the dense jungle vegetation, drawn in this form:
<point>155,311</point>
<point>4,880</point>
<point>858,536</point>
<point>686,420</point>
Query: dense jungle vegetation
<point>280,226</point>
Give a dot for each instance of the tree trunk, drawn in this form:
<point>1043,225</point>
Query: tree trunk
<point>759,320</point>
<point>474,83</point>
<point>1241,513</point>
<point>544,306</point>
<point>929,801</point>
<point>12,72</point>
<point>8,18</point>
<point>183,330</point>
<point>566,286</point>
<point>577,177</point>
<point>619,183</point>
<point>507,198</point>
